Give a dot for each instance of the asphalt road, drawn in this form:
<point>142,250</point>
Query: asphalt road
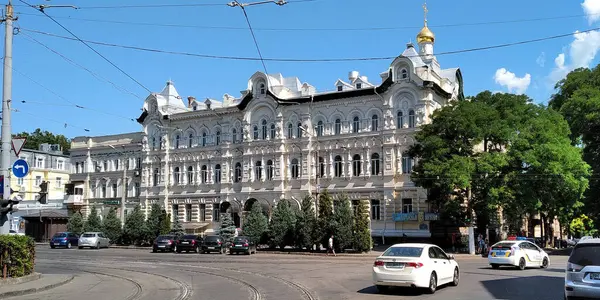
<point>138,274</point>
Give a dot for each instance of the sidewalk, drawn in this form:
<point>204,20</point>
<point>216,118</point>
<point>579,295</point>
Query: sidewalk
<point>43,283</point>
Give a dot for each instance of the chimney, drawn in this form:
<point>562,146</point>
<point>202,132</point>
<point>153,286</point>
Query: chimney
<point>190,100</point>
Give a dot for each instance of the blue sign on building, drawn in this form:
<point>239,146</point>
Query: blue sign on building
<point>20,168</point>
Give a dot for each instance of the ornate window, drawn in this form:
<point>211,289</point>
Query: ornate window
<point>238,173</point>
<point>190,140</point>
<point>290,131</point>
<point>411,119</point>
<point>218,138</point>
<point>356,124</point>
<point>234,136</point>
<point>264,129</point>
<point>177,142</point>
<point>258,171</point>
<point>269,170</point>
<point>356,165</point>
<point>337,165</point>
<point>374,123</point>
<point>299,130</point>
<point>403,74</point>
<point>218,174</point>
<point>204,139</point>
<point>255,133</point>
<point>321,167</point>
<point>155,177</point>
<point>190,175</point>
<point>375,164</point>
<point>338,127</point>
<point>295,168</point>
<point>399,120</point>
<point>407,164</point>
<point>204,174</point>
<point>176,176</point>
<point>320,128</point>
<point>272,131</point>
<point>263,90</point>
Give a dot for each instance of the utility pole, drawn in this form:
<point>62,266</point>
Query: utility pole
<point>6,108</point>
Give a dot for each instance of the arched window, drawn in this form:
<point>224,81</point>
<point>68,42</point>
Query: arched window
<point>290,131</point>
<point>321,167</point>
<point>218,174</point>
<point>153,143</point>
<point>190,140</point>
<point>177,142</point>
<point>338,127</point>
<point>320,128</point>
<point>176,176</point>
<point>160,142</point>
<point>190,175</point>
<point>269,170</point>
<point>264,129</point>
<point>403,74</point>
<point>255,133</point>
<point>374,123</point>
<point>258,171</point>
<point>399,120</point>
<point>204,139</point>
<point>356,124</point>
<point>218,138</point>
<point>155,177</point>
<point>411,119</point>
<point>356,170</point>
<point>407,164</point>
<point>238,173</point>
<point>295,168</point>
<point>375,164</point>
<point>272,135</point>
<point>263,90</point>
<point>203,174</point>
<point>337,166</point>
<point>234,136</point>
<point>299,130</point>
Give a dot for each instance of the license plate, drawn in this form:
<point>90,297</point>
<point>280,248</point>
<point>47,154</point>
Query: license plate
<point>395,265</point>
<point>595,276</point>
<point>185,242</point>
<point>499,253</point>
<point>161,246</point>
<point>238,245</point>
<point>211,247</point>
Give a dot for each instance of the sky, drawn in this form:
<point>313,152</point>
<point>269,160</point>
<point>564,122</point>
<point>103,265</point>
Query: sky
<point>54,77</point>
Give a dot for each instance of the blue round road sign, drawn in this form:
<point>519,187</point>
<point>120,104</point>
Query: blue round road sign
<point>20,168</point>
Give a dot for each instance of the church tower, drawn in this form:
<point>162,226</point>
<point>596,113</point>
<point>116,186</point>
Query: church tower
<point>426,39</point>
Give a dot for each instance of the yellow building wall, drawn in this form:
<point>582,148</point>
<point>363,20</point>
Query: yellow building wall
<point>29,188</point>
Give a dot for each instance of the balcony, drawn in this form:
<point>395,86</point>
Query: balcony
<point>74,200</point>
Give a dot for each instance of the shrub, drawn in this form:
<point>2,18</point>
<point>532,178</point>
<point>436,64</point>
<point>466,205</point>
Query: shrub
<point>112,226</point>
<point>18,253</point>
<point>93,222</point>
<point>256,224</point>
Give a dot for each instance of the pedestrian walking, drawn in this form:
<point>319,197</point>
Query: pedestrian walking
<point>330,246</point>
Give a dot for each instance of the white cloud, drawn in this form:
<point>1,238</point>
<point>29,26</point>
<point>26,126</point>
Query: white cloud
<point>541,60</point>
<point>581,53</point>
<point>592,10</point>
<point>513,83</point>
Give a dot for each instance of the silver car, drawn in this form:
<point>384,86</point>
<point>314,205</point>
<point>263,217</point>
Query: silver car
<point>582,279</point>
<point>95,240</point>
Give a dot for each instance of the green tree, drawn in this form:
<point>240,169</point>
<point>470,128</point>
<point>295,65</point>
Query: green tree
<point>111,225</point>
<point>154,220</point>
<point>256,224</point>
<point>362,229</point>
<point>227,228</point>
<point>305,224</point>
<point>325,221</point>
<point>343,217</point>
<point>582,226</point>
<point>38,137</point>
<point>283,225</point>
<point>165,222</point>
<point>135,230</point>
<point>177,227</point>
<point>93,222</point>
<point>75,223</point>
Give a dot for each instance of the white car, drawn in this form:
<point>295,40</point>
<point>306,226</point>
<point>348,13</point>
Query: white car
<point>94,240</point>
<point>518,253</point>
<point>582,278</point>
<point>415,265</point>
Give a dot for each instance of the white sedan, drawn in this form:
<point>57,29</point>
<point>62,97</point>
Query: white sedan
<point>415,265</point>
<point>519,253</point>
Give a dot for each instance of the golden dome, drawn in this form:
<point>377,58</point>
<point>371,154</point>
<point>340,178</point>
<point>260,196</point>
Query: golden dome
<point>425,35</point>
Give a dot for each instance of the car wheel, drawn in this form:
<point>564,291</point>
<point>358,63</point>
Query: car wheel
<point>154,250</point>
<point>80,247</point>
<point>495,266</point>
<point>522,264</point>
<point>52,247</point>
<point>432,284</point>
<point>68,245</point>
<point>545,263</point>
<point>456,277</point>
<point>381,288</point>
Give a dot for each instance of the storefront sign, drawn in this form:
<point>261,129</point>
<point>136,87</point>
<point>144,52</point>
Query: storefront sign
<point>415,216</point>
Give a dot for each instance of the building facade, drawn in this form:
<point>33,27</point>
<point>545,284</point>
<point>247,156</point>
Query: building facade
<point>101,169</point>
<point>283,139</point>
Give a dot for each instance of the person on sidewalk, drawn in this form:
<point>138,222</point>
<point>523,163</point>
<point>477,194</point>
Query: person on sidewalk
<point>330,246</point>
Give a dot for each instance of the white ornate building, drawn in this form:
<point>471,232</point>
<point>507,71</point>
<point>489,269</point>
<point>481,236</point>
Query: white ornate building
<point>282,139</point>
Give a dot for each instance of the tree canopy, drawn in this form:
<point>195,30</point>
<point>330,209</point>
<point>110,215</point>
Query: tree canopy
<point>39,136</point>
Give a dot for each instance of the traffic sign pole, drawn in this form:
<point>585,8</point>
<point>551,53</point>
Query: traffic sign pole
<point>6,111</point>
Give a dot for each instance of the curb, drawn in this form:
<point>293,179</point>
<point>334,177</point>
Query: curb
<point>18,280</point>
<point>36,289</point>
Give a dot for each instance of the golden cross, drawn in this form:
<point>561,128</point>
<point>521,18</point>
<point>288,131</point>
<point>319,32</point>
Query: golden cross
<point>425,11</point>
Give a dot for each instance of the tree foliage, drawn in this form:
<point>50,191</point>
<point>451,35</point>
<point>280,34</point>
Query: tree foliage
<point>111,225</point>
<point>135,230</point>
<point>75,223</point>
<point>165,222</point>
<point>256,224</point>
<point>305,224</point>
<point>325,225</point>
<point>362,230</point>
<point>227,229</point>
<point>343,223</point>
<point>177,227</point>
<point>93,222</point>
<point>38,137</point>
<point>582,226</point>
<point>283,225</point>
<point>154,220</point>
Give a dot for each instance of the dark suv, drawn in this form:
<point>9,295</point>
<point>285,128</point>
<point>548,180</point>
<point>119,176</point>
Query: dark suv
<point>189,242</point>
<point>242,244</point>
<point>213,243</point>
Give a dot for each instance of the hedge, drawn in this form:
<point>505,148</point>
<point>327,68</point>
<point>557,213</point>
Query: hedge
<point>18,254</point>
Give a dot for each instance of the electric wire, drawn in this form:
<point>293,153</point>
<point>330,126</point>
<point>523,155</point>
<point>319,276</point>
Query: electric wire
<point>87,45</point>
<point>350,29</point>
<point>307,60</point>
<point>166,5</point>
<point>52,120</point>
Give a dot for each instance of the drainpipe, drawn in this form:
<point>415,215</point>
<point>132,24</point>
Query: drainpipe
<point>382,171</point>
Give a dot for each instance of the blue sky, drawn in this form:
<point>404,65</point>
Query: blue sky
<point>200,77</point>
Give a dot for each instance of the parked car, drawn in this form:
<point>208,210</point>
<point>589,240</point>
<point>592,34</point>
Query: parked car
<point>518,253</point>
<point>415,265</point>
<point>64,239</point>
<point>165,243</point>
<point>242,244</point>
<point>189,242</point>
<point>582,278</point>
<point>94,240</point>
<point>213,243</point>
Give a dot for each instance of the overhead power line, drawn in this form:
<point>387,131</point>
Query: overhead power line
<point>41,9</point>
<point>374,28</point>
<point>52,120</point>
<point>165,5</point>
<point>313,59</point>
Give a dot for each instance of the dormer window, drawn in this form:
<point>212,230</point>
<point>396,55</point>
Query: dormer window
<point>262,89</point>
<point>340,88</point>
<point>359,85</point>
<point>403,74</point>
<point>194,107</point>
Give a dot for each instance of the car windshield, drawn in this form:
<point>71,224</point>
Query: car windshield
<point>239,239</point>
<point>586,255</point>
<point>89,235</point>
<point>502,245</point>
<point>164,237</point>
<point>212,238</point>
<point>60,234</point>
<point>189,237</point>
<point>404,251</point>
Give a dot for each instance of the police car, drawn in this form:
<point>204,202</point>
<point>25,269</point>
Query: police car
<point>519,253</point>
